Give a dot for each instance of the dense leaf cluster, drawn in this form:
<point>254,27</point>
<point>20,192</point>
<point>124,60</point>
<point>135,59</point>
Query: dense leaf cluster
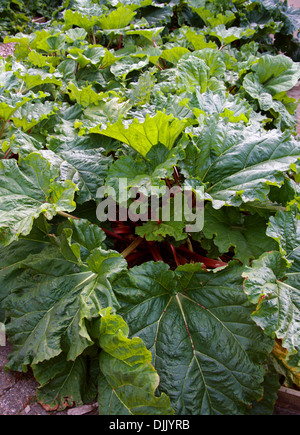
<point>18,15</point>
<point>144,316</point>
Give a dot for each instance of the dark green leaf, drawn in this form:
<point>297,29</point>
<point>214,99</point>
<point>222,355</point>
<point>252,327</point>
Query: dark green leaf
<point>197,324</point>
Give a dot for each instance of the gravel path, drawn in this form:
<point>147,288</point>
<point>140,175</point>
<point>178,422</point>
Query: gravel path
<point>7,49</point>
<point>17,391</point>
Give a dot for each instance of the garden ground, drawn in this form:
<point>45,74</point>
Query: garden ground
<point>18,390</point>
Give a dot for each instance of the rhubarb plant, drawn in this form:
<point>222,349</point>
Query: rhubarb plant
<point>113,113</point>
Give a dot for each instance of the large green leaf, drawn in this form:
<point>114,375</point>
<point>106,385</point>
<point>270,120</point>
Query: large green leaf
<point>106,111</point>
<point>88,7</point>
<point>37,77</point>
<point>92,55</point>
<point>64,383</point>
<point>30,114</point>
<point>141,136</point>
<point>237,164</point>
<point>161,229</point>
<point>266,405</point>
<point>208,15</point>
<point>75,34</point>
<point>84,96</point>
<point>131,4</point>
<point>67,286</point>
<point>278,299</point>
<point>227,36</point>
<point>27,192</point>
<point>157,166</point>
<point>198,41</point>
<point>127,64</point>
<point>10,102</point>
<point>117,19</point>
<point>227,106</point>
<point>213,59</point>
<point>149,34</point>
<point>49,321</point>
<point>86,235</point>
<point>22,143</point>
<point>284,228</point>
<point>273,76</point>
<point>192,72</point>
<point>83,162</point>
<point>16,254</point>
<point>231,228</point>
<point>76,18</point>
<point>276,73</point>
<point>174,54</point>
<point>205,347</point>
<point>129,382</point>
